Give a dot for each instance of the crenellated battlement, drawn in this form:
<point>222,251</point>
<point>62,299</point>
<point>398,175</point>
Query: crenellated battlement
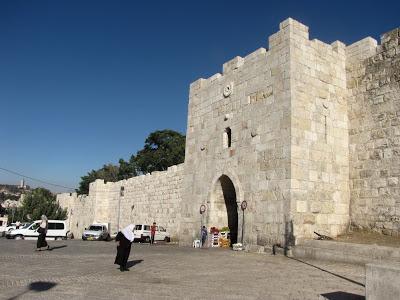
<point>292,29</point>
<point>288,29</point>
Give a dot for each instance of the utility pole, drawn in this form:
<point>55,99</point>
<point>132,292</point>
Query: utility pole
<point>121,194</point>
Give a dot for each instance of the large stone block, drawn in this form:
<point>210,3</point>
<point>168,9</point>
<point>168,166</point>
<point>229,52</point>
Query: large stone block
<point>382,281</point>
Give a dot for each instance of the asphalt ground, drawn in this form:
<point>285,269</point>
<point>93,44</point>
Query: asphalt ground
<point>75,269</point>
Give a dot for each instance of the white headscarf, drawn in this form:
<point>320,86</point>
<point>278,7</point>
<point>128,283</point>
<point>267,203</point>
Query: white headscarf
<point>128,232</point>
<point>43,224</point>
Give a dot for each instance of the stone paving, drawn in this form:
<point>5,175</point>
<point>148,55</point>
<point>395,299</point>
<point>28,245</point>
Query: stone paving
<point>84,270</point>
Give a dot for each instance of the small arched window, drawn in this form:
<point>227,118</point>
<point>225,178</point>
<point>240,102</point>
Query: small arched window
<point>227,138</point>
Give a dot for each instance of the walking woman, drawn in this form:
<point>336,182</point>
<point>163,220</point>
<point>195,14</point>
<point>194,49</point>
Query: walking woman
<point>124,241</point>
<point>41,241</point>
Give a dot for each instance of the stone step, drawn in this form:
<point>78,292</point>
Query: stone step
<point>346,252</point>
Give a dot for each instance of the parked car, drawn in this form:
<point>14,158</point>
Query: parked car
<point>57,229</point>
<point>142,233</point>
<point>12,226</point>
<point>98,232</point>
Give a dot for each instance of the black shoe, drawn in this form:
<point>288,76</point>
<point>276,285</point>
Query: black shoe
<point>121,269</point>
<point>48,247</point>
<point>126,269</point>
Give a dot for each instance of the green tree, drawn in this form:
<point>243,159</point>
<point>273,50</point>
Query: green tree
<point>127,169</point>
<point>162,149</point>
<point>85,181</point>
<point>108,172</point>
<point>38,202</point>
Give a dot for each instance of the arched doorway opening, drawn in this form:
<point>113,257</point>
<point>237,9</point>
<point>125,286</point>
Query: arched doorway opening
<point>223,210</point>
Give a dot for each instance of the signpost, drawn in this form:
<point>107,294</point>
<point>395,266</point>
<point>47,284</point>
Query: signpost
<point>243,206</point>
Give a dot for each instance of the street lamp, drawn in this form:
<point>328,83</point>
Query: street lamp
<point>121,194</point>
<point>70,217</point>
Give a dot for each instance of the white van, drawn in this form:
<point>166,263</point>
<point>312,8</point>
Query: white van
<point>57,229</point>
<point>142,233</point>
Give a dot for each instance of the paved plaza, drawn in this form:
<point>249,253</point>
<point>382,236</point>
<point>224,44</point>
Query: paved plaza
<point>84,270</point>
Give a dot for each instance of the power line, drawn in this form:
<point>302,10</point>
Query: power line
<point>35,179</point>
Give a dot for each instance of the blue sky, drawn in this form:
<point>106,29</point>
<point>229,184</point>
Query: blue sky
<point>82,83</point>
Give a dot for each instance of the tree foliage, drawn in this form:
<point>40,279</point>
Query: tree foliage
<point>162,149</point>
<point>38,202</point>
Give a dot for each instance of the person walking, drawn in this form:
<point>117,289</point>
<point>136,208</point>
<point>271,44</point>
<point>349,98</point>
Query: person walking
<point>153,232</point>
<point>124,241</point>
<point>42,230</point>
<point>203,236</point>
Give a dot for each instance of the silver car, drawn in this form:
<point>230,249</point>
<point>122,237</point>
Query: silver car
<point>96,232</point>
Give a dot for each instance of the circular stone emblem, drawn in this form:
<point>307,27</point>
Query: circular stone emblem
<point>202,208</point>
<point>228,90</point>
<point>243,205</point>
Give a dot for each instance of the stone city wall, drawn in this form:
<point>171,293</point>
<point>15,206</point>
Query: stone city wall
<point>80,210</point>
<point>319,135</point>
<point>144,199</point>
<point>374,129</point>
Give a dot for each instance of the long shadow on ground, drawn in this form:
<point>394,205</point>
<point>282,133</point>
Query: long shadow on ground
<point>57,247</point>
<point>132,263</point>
<point>37,286</point>
<point>342,296</point>
<point>334,274</point>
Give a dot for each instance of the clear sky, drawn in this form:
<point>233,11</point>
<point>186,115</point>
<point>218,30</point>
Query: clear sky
<point>82,83</point>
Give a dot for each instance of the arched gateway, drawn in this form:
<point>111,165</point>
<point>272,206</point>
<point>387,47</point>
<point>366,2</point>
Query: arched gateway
<point>223,207</point>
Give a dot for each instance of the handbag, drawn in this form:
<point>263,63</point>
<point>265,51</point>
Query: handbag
<point>40,230</point>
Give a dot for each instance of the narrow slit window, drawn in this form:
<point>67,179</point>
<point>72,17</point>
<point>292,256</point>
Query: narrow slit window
<point>227,138</point>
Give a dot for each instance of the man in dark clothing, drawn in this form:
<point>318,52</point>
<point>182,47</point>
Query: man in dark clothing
<point>124,241</point>
<point>203,236</point>
<point>153,232</point>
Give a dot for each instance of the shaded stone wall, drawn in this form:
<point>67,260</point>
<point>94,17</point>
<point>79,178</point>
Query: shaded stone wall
<point>80,211</point>
<point>144,199</point>
<point>373,80</point>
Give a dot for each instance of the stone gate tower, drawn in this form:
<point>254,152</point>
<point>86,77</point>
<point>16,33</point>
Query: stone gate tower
<point>273,130</point>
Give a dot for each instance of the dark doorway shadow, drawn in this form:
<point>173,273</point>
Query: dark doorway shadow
<point>334,274</point>
<point>132,263</point>
<point>339,295</point>
<point>229,192</point>
<point>56,247</point>
<point>36,286</point>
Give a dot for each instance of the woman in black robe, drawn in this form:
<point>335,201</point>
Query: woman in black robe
<point>124,241</point>
<point>42,230</point>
